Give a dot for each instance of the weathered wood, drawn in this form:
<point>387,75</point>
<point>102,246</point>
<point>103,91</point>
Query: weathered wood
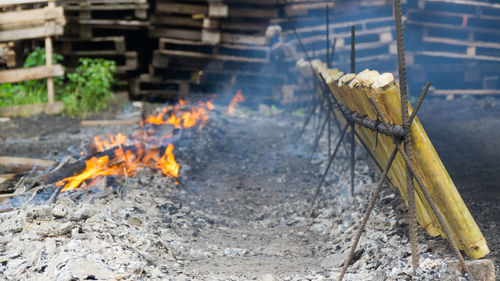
<point>34,73</point>
<point>31,109</point>
<point>31,18</point>
<point>30,33</point>
<point>7,3</point>
<point>106,123</point>
<point>23,164</point>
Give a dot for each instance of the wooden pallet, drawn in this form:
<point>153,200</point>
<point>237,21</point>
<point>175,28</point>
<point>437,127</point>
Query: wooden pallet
<point>103,9</point>
<point>209,36</point>
<point>216,10</point>
<point>7,55</point>
<point>225,52</point>
<point>124,62</point>
<point>93,46</point>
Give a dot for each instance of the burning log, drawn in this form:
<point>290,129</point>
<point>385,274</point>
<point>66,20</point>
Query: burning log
<point>23,164</point>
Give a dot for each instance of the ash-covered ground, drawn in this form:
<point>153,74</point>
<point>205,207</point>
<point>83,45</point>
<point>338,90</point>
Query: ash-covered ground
<point>240,211</point>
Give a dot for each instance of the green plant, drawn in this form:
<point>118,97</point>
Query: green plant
<point>37,58</point>
<point>89,88</point>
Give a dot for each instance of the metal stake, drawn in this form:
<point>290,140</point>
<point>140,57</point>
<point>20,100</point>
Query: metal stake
<point>410,188</point>
<point>368,211</point>
<point>337,146</point>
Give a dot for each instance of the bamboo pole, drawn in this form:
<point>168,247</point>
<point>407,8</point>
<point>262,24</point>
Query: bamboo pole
<point>354,91</point>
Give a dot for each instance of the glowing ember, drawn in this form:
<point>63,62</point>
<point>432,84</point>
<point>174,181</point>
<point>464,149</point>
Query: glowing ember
<point>236,99</point>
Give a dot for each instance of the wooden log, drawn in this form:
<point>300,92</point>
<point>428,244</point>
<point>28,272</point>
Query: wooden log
<point>105,123</point>
<point>354,92</point>
<point>23,164</point>
<point>33,73</point>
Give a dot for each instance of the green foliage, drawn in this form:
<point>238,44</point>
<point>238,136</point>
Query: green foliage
<point>90,86</point>
<point>87,90</point>
<point>37,58</point>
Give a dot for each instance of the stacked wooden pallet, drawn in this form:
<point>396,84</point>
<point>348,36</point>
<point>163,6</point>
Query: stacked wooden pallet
<point>375,41</point>
<point>209,46</point>
<point>105,29</point>
<point>7,55</point>
<point>456,44</point>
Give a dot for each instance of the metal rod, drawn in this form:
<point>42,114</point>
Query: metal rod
<point>318,187</point>
<point>327,36</point>
<point>353,159</point>
<point>353,50</point>
<point>307,121</point>
<point>410,188</point>
<point>329,136</point>
<point>419,102</point>
<point>316,140</point>
<point>442,221</point>
<point>368,211</point>
<point>333,50</point>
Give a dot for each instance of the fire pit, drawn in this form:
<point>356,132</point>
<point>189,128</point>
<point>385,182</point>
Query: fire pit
<point>238,208</point>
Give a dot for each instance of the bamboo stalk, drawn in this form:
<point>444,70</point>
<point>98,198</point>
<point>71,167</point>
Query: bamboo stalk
<point>354,91</point>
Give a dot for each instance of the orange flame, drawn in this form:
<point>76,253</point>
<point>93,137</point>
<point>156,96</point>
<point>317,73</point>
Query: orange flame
<point>102,145</point>
<point>124,163</point>
<point>127,160</point>
<point>236,99</point>
<point>181,118</point>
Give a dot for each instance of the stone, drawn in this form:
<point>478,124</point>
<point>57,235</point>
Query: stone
<point>235,252</point>
<point>483,269</point>
<point>268,277</point>
<point>60,211</point>
<point>334,260</point>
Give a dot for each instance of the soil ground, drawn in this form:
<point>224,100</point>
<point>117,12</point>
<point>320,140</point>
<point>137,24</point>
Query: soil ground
<point>244,209</point>
<point>466,134</point>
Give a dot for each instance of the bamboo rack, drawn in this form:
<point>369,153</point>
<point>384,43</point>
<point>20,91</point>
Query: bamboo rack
<point>354,92</point>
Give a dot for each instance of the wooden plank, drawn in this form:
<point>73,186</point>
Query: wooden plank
<point>33,73</point>
<point>211,56</point>
<point>185,9</point>
<point>31,18</point>
<point>458,56</point>
<point>31,109</point>
<point>31,33</point>
<point>23,164</point>
<point>108,7</point>
<point>6,3</point>
<point>470,3</point>
<point>107,123</point>
<point>466,92</point>
<point>107,1</point>
<point>432,39</point>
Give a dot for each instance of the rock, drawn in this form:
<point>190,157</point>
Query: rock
<point>85,211</point>
<point>235,252</point>
<point>483,269</point>
<point>268,277</point>
<point>84,269</point>
<point>60,211</point>
<point>52,229</point>
<point>334,260</point>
